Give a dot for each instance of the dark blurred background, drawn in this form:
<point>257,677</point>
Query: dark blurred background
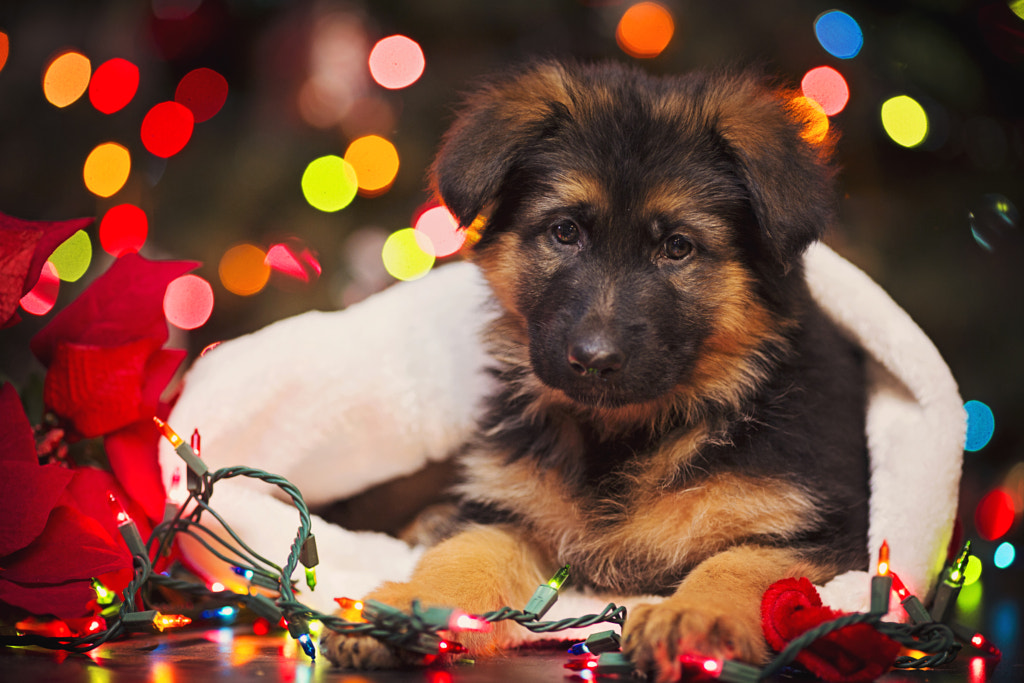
<point>937,224</point>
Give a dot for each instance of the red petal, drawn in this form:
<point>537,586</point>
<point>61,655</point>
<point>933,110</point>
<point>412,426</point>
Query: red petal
<point>24,247</point>
<point>99,389</point>
<point>72,546</point>
<point>122,305</point>
<point>65,600</point>
<point>16,441</point>
<point>88,493</point>
<point>28,494</point>
<point>132,453</point>
<point>160,369</point>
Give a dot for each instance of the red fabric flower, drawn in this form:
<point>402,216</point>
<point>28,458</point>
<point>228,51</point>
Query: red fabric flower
<point>24,248</point>
<point>854,654</point>
<point>107,368</point>
<point>57,532</point>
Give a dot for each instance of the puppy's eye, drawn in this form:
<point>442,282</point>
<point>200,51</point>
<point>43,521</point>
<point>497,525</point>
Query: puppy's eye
<point>566,232</point>
<point>678,247</point>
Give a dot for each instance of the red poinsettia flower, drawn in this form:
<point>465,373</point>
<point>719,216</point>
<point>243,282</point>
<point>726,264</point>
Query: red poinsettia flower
<point>854,654</point>
<point>24,248</point>
<point>107,368</point>
<point>57,532</point>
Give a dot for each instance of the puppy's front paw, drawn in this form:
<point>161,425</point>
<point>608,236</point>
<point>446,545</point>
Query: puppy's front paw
<point>655,635</point>
<point>362,652</point>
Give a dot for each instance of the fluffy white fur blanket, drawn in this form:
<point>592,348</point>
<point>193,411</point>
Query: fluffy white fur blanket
<point>338,402</point>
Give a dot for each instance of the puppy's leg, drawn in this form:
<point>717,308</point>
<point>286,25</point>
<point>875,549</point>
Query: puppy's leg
<point>716,611</point>
<point>479,570</point>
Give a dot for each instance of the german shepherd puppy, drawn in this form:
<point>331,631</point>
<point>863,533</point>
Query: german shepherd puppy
<point>675,414</point>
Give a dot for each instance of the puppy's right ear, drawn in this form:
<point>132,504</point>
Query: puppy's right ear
<point>493,126</point>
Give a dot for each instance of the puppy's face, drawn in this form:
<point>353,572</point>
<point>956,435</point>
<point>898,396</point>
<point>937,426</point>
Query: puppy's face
<point>639,229</point>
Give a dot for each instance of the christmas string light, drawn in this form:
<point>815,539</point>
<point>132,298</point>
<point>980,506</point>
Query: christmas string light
<point>183,449</point>
<point>309,558</point>
<point>910,603</point>
<point>605,641</point>
<point>546,594</point>
<point>949,588</point>
<point>881,583</point>
<point>977,641</point>
<point>725,670</point>
<point>417,630</point>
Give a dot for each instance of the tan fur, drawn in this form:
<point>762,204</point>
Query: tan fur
<point>715,611</point>
<point>676,528</point>
<point>479,570</point>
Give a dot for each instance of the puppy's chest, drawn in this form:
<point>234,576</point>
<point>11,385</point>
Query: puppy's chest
<point>623,527</point>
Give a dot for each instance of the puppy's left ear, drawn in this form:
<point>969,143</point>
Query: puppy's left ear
<point>495,124</point>
<point>782,146</point>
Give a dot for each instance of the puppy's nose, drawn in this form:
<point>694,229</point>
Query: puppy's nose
<point>595,355</point>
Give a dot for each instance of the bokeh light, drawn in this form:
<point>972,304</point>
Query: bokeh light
<point>5,49</point>
<point>408,254</point>
<point>123,230</point>
<point>981,425</point>
<point>969,600</point>
<point>440,226</point>
<point>66,78</point>
<point>827,87</point>
<point>814,118</point>
<point>839,34</point>
<point>106,169</point>
<point>994,220</point>
<point>396,62</point>
<point>167,128</point>
<point>329,183</point>
<point>242,270</point>
<point>1013,483</point>
<point>295,261</point>
<point>645,30</point>
<point>188,302</point>
<point>203,91</point>
<point>72,257</point>
<point>972,572</point>
<point>904,120</point>
<point>113,85</point>
<point>375,161</point>
<point>1004,556</point>
<point>43,295</point>
<point>994,515</point>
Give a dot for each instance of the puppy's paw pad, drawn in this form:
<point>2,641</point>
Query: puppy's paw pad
<point>359,652</point>
<point>655,635</point>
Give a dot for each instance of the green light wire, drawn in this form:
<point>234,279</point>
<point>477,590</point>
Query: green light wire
<point>392,626</point>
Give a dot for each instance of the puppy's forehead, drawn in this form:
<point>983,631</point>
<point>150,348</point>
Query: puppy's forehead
<point>567,188</point>
<point>681,189</point>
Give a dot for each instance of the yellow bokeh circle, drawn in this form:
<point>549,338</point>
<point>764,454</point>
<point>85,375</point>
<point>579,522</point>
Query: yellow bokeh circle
<point>329,183</point>
<point>72,257</point>
<point>408,254</point>
<point>904,120</point>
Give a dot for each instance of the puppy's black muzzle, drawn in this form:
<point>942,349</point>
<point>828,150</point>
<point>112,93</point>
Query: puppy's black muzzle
<point>595,353</point>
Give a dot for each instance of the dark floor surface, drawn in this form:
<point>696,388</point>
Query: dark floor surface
<point>220,655</point>
<point>209,651</point>
<point>234,654</point>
